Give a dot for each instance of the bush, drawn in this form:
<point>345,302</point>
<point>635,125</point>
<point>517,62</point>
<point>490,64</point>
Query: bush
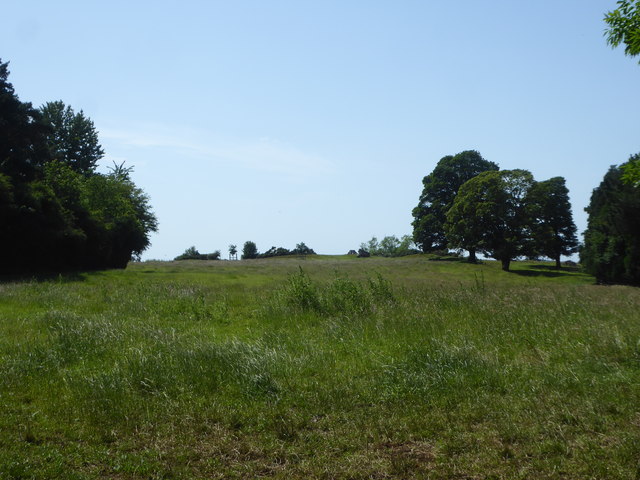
<point>192,253</point>
<point>274,252</point>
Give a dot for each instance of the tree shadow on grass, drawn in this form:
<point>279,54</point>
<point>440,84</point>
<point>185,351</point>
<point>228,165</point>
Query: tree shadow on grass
<point>546,271</point>
<point>26,277</point>
<point>449,258</point>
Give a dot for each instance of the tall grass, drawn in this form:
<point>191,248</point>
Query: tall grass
<point>385,369</point>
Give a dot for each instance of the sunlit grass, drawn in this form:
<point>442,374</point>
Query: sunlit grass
<point>320,367</point>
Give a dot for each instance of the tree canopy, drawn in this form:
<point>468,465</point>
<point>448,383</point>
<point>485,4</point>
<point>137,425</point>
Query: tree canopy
<point>249,250</point>
<point>552,227</point>
<point>72,137</point>
<point>611,249</point>
<point>439,191</point>
<point>56,212</point>
<point>489,215</point>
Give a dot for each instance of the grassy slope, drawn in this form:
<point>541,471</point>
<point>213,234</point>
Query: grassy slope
<point>436,369</point>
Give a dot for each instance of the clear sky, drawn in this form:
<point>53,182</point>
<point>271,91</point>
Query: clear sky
<point>289,121</point>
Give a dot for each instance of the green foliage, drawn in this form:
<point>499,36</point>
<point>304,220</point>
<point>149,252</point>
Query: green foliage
<point>438,194</point>
<point>624,26</point>
<point>389,246</point>
<point>56,213</point>
<point>249,250</point>
<point>611,249</point>
<point>341,296</point>
<point>192,253</point>
<point>551,221</point>
<point>631,171</point>
<point>302,249</point>
<point>274,252</point>
<point>23,143</point>
<point>490,215</point>
<point>73,138</point>
<point>123,218</point>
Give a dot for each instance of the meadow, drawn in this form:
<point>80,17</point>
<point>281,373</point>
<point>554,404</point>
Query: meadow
<point>320,367</point>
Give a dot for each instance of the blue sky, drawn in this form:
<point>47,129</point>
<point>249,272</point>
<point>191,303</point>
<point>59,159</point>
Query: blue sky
<point>282,121</point>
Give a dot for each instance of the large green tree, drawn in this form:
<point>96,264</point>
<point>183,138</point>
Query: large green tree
<point>123,215</point>
<point>490,215</point>
<point>439,191</point>
<point>611,249</point>
<point>72,138</point>
<point>56,213</point>
<point>552,226</point>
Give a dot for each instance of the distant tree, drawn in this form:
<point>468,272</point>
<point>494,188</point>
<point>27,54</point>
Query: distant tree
<point>371,247</point>
<point>249,250</point>
<point>553,230</point>
<point>611,249</point>
<point>275,252</point>
<point>302,249</point>
<point>363,253</point>
<point>406,246</point>
<point>233,251</point>
<point>490,215</point>
<point>624,26</point>
<point>389,246</point>
<point>190,253</point>
<point>438,194</point>
<point>73,138</point>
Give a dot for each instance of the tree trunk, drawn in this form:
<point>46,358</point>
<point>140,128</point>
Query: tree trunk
<point>558,266</point>
<point>505,264</point>
<point>472,255</point>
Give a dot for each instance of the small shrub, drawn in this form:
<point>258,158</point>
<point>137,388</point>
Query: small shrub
<point>301,293</point>
<point>381,290</point>
<point>346,297</point>
<point>342,296</point>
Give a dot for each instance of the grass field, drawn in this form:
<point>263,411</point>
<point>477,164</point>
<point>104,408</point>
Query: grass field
<point>320,367</point>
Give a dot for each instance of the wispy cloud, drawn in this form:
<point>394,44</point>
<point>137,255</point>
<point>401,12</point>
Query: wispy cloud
<point>266,154</point>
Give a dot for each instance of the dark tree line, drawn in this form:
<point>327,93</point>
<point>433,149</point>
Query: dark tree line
<point>611,249</point>
<point>468,203</point>
<point>192,253</point>
<point>56,212</point>
<point>250,251</point>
